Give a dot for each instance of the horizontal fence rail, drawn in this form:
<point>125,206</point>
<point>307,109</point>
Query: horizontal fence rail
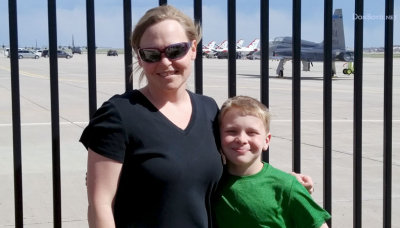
<point>231,71</point>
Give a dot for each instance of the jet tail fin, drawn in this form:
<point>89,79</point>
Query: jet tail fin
<point>254,44</point>
<point>239,43</point>
<point>338,41</point>
<point>223,45</point>
<point>211,45</point>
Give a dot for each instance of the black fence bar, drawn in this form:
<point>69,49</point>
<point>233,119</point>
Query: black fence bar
<point>264,46</point>
<point>231,48</point>
<point>327,108</point>
<point>198,64</point>
<point>387,115</point>
<point>91,48</point>
<point>264,62</point>
<point>55,117</point>
<point>127,44</point>
<point>162,2</point>
<point>296,104</point>
<point>357,128</point>
<point>16,113</point>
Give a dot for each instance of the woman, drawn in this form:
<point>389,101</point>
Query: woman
<point>153,159</point>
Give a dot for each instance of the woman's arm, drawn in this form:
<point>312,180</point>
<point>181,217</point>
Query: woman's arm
<point>102,182</point>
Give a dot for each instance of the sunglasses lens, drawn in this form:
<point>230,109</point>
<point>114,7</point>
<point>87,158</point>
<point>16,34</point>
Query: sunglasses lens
<point>172,52</point>
<point>150,55</point>
<point>176,51</point>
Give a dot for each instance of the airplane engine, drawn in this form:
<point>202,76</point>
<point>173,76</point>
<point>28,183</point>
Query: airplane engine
<point>347,56</point>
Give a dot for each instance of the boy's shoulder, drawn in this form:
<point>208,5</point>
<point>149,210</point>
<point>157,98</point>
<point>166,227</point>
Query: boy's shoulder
<point>278,173</point>
<point>269,177</point>
<point>279,177</point>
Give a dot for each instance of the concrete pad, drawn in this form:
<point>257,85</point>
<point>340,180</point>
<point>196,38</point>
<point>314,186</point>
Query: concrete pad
<point>73,94</point>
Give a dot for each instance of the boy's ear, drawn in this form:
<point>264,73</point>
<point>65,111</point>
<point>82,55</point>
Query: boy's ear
<point>267,141</point>
<point>223,157</point>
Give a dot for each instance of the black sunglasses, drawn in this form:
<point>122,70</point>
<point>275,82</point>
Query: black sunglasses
<point>172,52</point>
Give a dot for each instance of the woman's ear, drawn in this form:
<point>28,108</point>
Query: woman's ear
<point>193,49</point>
<point>138,58</point>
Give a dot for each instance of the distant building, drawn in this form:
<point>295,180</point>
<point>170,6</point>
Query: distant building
<point>396,48</point>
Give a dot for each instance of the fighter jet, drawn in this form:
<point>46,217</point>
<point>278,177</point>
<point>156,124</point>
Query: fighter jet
<point>208,48</point>
<point>211,52</point>
<point>252,47</point>
<point>221,51</point>
<point>281,48</point>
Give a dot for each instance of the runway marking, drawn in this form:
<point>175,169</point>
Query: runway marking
<point>337,121</point>
<point>61,79</point>
<point>26,73</point>
<point>46,124</point>
<point>86,122</point>
<point>367,90</point>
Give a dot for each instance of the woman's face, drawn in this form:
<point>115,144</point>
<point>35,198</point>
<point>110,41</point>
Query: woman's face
<point>167,74</point>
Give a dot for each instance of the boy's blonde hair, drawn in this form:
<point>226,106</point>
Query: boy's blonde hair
<point>247,106</point>
<point>158,14</point>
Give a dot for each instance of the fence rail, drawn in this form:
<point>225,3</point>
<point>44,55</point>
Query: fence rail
<point>264,96</point>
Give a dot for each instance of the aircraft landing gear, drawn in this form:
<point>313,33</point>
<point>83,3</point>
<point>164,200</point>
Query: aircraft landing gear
<point>279,70</point>
<point>350,69</point>
<point>280,74</point>
<point>347,71</point>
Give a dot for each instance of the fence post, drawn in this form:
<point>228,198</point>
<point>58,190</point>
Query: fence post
<point>231,48</point>
<point>327,108</point>
<point>198,74</point>
<point>55,116</point>
<point>91,47</point>
<point>16,112</point>
<point>357,128</point>
<point>127,44</point>
<point>296,101</point>
<point>387,116</point>
<point>264,62</point>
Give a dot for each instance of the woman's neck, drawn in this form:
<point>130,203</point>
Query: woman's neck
<point>161,97</point>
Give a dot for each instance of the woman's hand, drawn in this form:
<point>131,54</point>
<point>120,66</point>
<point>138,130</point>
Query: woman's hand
<point>305,180</point>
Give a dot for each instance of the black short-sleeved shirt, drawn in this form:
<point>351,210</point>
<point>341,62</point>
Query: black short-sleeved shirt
<point>168,174</point>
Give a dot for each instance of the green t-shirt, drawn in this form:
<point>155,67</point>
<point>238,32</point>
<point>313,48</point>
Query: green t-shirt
<point>270,198</point>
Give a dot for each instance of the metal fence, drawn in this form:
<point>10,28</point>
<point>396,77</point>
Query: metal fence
<point>264,96</point>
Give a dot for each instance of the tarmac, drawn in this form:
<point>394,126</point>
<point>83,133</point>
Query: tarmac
<point>73,95</point>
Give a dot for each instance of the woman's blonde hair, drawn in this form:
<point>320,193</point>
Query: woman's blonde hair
<point>156,15</point>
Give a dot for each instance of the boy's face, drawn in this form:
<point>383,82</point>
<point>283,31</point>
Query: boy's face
<point>243,138</point>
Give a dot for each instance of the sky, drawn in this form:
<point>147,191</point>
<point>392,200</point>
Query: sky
<point>71,21</point>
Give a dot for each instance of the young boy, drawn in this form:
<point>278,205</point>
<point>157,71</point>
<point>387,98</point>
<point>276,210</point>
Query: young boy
<point>253,193</point>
